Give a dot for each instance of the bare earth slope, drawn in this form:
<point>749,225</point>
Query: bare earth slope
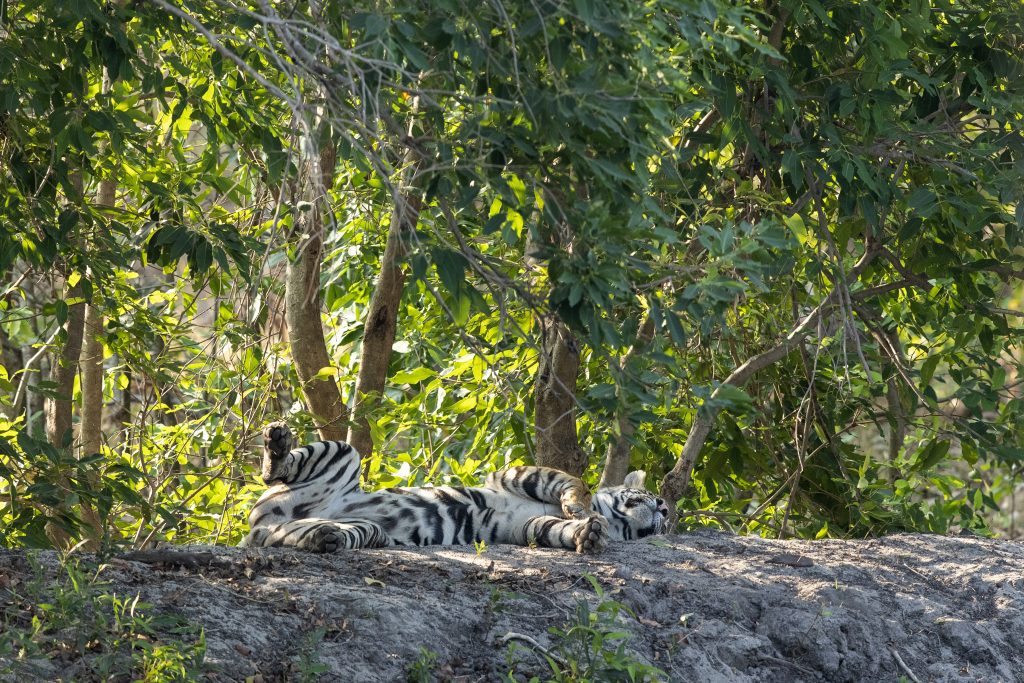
<point>708,606</point>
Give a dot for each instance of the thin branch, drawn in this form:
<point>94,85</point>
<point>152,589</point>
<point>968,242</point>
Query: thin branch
<point>532,642</point>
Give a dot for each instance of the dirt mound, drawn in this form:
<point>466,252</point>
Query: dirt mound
<point>701,607</point>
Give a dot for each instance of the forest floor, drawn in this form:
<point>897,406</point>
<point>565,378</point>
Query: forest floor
<point>703,607</point>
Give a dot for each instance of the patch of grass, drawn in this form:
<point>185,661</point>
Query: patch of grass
<point>309,667</point>
<point>421,670</point>
<point>77,627</point>
<point>592,646</point>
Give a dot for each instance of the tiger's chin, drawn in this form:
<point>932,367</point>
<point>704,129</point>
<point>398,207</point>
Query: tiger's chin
<point>657,527</point>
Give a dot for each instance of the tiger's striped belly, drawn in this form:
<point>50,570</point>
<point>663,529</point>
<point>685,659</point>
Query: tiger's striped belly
<point>440,515</point>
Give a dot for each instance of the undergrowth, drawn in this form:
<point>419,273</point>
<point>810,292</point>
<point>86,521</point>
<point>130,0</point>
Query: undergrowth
<point>592,646</point>
<point>76,628</point>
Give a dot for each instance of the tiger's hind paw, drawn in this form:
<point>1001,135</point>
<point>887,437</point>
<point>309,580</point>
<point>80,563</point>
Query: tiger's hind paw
<point>592,535</point>
<point>277,439</point>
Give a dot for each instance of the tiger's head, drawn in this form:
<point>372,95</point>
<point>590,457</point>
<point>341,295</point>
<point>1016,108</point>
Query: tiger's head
<point>631,511</point>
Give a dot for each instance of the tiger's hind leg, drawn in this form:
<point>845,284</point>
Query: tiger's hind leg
<point>320,535</point>
<point>587,535</point>
<point>546,485</point>
<point>277,439</point>
<point>277,444</point>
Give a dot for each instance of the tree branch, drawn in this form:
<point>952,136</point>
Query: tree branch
<point>678,478</point>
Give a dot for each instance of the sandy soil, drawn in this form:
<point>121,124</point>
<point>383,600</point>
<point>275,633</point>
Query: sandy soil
<point>705,607</point>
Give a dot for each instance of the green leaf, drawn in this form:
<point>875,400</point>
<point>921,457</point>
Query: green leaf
<point>451,269</point>
<point>731,396</point>
<point>922,200</point>
<point>928,369</point>
<point>327,372</point>
<point>675,328</point>
<point>412,376</point>
<point>987,339</point>
<point>932,454</point>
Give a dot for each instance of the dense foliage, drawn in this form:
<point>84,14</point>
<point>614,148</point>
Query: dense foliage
<point>784,238</point>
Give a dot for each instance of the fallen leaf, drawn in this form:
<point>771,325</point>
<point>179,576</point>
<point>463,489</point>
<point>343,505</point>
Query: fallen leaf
<point>791,560</point>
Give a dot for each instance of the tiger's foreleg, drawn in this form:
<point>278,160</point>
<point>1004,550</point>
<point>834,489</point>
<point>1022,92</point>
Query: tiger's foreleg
<point>546,485</point>
<point>319,535</point>
<point>587,535</point>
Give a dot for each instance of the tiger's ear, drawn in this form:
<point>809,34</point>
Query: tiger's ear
<point>635,479</point>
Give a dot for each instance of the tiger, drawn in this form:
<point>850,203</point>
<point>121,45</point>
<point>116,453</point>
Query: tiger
<point>315,503</point>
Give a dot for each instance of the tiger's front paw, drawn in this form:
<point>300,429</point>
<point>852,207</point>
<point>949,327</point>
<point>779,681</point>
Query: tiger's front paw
<point>591,536</point>
<point>576,503</point>
<point>324,539</point>
<point>277,439</point>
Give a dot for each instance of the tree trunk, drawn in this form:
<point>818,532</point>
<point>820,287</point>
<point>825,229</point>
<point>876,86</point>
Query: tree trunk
<point>92,358</point>
<point>302,311</point>
<point>62,374</point>
<point>616,460</point>
<point>91,362</point>
<point>58,409</point>
<point>555,399</point>
<point>92,413</point>
<point>92,382</point>
<point>120,410</point>
<point>382,317</point>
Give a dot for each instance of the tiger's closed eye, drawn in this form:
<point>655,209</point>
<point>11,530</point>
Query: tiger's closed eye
<point>633,502</point>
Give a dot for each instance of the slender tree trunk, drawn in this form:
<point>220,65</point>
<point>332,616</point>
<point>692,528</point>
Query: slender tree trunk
<point>555,400</point>
<point>92,413</point>
<point>92,358</point>
<point>91,362</point>
<point>675,482</point>
<point>92,382</point>
<point>616,460</point>
<point>120,410</point>
<point>302,311</point>
<point>58,410</point>
<point>382,317</point>
<point>10,355</point>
